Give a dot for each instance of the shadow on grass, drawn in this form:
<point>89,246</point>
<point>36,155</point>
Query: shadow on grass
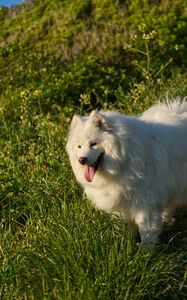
<point>176,235</point>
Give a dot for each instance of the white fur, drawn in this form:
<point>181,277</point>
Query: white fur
<point>143,174</point>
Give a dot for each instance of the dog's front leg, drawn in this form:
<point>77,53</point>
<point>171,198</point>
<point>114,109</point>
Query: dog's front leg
<point>149,227</point>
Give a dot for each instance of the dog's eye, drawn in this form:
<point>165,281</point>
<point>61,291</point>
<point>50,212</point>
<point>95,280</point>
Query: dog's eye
<point>93,144</point>
<point>79,146</point>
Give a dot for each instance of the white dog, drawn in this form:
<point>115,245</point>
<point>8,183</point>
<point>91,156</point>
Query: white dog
<point>133,167</point>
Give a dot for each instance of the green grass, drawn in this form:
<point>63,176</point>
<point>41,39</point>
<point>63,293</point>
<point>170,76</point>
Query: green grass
<point>66,250</point>
<point>58,58</point>
<point>53,244</point>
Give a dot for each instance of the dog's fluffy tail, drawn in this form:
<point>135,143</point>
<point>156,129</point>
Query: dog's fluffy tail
<point>169,112</point>
<point>177,106</point>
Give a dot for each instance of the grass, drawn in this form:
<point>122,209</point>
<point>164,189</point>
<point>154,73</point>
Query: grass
<point>66,250</point>
<point>53,244</point>
<point>58,58</point>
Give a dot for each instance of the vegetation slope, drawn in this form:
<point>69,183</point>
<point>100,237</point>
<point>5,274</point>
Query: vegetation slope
<point>57,58</point>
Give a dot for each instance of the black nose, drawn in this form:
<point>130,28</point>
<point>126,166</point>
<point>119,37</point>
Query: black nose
<point>83,160</point>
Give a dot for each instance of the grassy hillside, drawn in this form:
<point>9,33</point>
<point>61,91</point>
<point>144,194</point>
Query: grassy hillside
<point>68,48</point>
<point>58,58</point>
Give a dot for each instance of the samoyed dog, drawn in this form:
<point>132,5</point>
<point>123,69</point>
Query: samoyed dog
<point>133,167</point>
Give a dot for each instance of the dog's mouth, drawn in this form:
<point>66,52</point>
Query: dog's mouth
<point>91,169</point>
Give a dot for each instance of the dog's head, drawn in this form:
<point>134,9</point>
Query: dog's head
<point>90,146</point>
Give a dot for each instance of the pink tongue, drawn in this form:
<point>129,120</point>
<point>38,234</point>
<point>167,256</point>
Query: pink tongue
<point>89,173</point>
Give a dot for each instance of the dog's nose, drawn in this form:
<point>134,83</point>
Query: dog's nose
<point>83,160</point>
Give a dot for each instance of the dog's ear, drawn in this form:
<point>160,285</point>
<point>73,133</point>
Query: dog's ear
<point>99,121</point>
<point>76,119</point>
